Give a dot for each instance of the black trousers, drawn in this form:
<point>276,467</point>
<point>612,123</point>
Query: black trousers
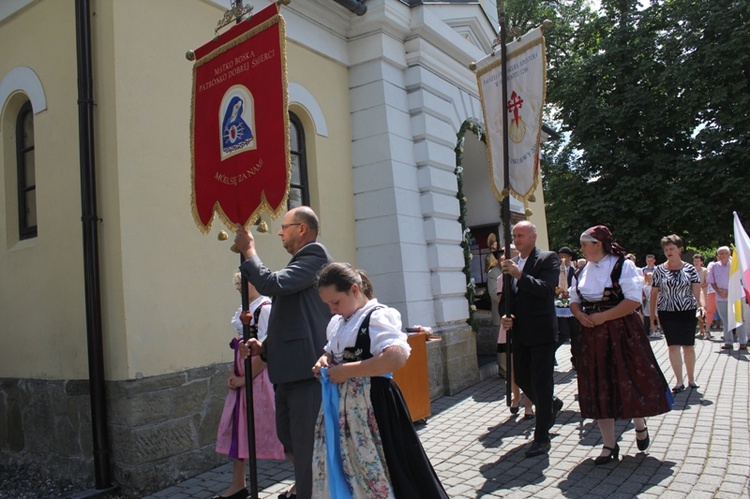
<point>297,407</point>
<point>647,324</point>
<point>534,368</point>
<point>575,341</point>
<point>568,328</point>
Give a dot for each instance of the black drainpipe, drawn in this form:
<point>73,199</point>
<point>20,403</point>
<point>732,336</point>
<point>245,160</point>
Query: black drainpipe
<point>90,220</point>
<point>356,6</point>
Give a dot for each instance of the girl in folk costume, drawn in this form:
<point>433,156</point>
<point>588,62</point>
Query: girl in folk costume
<point>618,375</point>
<point>367,447</point>
<point>231,438</point>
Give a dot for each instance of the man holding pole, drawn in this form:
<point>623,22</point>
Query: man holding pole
<point>296,332</point>
<point>533,326</point>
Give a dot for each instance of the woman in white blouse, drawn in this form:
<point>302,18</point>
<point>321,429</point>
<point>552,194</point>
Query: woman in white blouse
<point>379,452</point>
<point>618,376</point>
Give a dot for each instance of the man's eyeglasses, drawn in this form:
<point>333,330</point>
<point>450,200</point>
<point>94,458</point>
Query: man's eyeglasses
<point>284,226</point>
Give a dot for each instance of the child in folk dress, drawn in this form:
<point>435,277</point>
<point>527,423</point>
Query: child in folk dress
<point>231,438</point>
<point>379,453</point>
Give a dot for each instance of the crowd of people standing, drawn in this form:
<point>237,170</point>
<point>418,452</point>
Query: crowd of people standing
<point>610,308</point>
<point>329,349</point>
<point>325,351</point>
<point>681,287</point>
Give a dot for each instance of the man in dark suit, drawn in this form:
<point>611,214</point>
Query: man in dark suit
<point>533,326</point>
<point>296,333</point>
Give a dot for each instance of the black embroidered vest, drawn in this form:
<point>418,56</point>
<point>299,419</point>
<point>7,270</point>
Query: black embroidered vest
<point>361,348</point>
<point>612,295</point>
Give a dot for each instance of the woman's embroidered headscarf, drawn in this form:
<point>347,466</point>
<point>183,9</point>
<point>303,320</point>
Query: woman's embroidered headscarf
<point>602,234</point>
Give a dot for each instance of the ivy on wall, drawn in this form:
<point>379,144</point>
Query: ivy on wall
<point>478,130</point>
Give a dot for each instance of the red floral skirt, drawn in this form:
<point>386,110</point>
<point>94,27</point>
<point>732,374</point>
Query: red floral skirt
<point>618,375</point>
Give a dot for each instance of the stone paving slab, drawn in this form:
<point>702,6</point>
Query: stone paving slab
<point>699,449</point>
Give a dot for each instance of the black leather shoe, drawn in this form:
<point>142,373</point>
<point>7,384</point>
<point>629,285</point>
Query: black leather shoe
<point>614,454</point>
<point>514,409</point>
<point>644,442</point>
<point>557,406</point>
<point>538,449</point>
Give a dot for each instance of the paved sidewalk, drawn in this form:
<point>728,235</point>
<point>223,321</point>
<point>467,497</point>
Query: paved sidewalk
<point>701,449</point>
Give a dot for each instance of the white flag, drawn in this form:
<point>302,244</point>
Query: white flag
<point>527,73</point>
<point>739,276</point>
<point>742,242</point>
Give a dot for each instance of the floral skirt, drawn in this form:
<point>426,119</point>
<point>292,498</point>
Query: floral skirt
<point>380,450</point>
<point>618,375</point>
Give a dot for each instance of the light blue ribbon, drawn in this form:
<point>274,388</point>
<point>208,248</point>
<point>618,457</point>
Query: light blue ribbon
<point>336,480</point>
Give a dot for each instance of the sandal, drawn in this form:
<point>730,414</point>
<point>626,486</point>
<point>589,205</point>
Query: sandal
<point>678,389</point>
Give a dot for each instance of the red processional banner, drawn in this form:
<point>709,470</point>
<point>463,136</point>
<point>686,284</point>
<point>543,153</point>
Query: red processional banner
<point>240,123</point>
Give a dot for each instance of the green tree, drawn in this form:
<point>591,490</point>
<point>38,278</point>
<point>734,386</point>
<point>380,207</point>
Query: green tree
<point>565,41</point>
<point>709,44</point>
<point>654,103</point>
<point>562,38</point>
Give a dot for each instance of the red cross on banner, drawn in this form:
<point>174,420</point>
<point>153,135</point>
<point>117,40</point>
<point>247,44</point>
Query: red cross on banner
<point>514,105</point>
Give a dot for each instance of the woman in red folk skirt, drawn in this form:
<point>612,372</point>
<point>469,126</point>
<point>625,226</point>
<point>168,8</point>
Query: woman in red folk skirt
<point>618,375</point>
